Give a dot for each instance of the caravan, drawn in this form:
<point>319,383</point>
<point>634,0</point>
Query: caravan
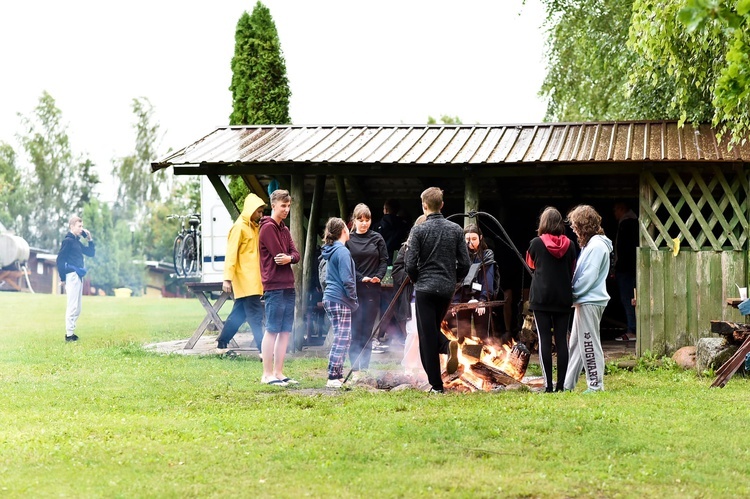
<point>215,225</point>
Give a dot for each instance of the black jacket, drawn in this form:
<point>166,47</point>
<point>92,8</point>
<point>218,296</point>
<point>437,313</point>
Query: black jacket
<point>71,253</point>
<point>437,258</point>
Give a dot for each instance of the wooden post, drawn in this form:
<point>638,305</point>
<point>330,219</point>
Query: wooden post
<point>471,197</point>
<point>341,195</point>
<point>297,228</point>
<point>309,260</point>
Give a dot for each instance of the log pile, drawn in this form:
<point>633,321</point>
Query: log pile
<point>737,334</point>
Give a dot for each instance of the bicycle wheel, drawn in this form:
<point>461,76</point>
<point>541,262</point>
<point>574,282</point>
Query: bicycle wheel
<point>190,254</point>
<point>177,255</point>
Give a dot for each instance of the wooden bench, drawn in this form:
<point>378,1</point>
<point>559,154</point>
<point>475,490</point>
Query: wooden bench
<point>204,291</point>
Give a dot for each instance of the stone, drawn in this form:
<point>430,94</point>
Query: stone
<point>685,357</point>
<point>711,353</point>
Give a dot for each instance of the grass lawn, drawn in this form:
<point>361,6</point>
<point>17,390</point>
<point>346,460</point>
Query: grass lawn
<point>103,418</point>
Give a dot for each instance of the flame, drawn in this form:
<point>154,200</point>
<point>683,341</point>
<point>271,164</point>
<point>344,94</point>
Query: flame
<point>472,350</point>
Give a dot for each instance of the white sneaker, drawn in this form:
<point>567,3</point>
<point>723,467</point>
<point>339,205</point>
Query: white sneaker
<point>334,383</point>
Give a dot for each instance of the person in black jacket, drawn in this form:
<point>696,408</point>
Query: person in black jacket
<point>626,245</point>
<point>552,257</point>
<point>370,256</point>
<point>437,259</point>
<point>71,268</point>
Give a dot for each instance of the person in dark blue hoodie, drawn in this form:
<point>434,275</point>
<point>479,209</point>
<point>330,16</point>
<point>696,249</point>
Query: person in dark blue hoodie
<point>552,257</point>
<point>339,295</point>
<point>71,269</point>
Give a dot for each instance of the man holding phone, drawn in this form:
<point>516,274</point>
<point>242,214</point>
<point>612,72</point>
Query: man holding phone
<point>71,270</point>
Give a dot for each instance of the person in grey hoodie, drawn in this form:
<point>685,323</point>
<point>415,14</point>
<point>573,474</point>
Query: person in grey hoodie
<point>339,295</point>
<point>590,297</point>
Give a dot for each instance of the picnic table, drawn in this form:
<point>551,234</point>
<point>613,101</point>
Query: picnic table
<point>204,291</point>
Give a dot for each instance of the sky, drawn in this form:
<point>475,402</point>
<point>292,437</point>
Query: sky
<point>348,62</point>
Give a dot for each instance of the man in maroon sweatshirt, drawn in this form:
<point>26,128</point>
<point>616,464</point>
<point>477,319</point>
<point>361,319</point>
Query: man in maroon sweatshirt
<point>277,253</point>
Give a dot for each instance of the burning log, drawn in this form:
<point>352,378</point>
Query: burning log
<point>492,375</point>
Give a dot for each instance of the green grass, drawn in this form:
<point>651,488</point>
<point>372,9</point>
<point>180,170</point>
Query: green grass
<point>104,418</point>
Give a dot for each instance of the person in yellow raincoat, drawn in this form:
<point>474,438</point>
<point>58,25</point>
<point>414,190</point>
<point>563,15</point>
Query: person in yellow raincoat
<point>242,274</point>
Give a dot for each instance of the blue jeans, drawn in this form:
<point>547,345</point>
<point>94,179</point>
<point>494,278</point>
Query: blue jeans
<point>626,284</point>
<point>279,310</point>
<point>247,308</point>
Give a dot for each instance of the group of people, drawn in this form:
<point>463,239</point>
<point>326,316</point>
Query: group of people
<point>439,264</point>
<point>561,280</point>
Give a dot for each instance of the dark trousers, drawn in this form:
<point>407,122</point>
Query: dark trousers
<point>547,324</point>
<point>363,320</point>
<point>431,311</point>
<point>626,284</point>
<point>247,308</point>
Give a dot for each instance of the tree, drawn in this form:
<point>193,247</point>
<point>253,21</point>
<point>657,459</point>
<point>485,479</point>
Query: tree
<point>703,46</point>
<point>13,205</point>
<point>649,59</point>
<point>260,88</point>
<point>137,186</point>
<point>59,182</point>
<point>445,120</point>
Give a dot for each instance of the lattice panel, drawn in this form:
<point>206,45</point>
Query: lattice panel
<point>705,209</point>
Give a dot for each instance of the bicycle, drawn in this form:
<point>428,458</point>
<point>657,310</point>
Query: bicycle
<point>186,251</point>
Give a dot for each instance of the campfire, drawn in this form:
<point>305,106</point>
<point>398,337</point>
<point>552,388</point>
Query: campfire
<point>486,364</point>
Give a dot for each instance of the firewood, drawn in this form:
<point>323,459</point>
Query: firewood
<point>492,374</point>
<point>727,370</point>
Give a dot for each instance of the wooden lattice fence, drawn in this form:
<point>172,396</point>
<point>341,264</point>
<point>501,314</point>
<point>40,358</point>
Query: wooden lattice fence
<point>693,250</point>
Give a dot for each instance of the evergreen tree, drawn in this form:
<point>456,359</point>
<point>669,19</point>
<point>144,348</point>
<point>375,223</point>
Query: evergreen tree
<point>260,88</point>
<point>59,182</point>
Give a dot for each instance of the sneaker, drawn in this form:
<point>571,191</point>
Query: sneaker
<point>452,365</point>
<point>72,337</point>
<point>432,390</point>
<point>335,383</point>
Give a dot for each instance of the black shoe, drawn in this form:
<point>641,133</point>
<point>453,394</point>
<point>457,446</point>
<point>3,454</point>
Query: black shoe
<point>432,390</point>
<point>222,345</point>
<point>71,338</point>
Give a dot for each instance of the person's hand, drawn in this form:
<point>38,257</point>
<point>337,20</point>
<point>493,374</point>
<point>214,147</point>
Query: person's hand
<point>226,286</point>
<point>480,311</point>
<point>366,279</point>
<point>282,259</point>
<point>375,280</point>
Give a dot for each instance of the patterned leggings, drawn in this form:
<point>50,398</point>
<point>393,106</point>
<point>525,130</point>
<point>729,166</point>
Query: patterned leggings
<point>341,320</point>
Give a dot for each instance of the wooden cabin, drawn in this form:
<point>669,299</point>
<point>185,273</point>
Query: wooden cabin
<point>685,184</point>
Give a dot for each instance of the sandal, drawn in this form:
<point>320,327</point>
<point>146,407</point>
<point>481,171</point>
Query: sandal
<point>289,381</point>
<point>272,381</point>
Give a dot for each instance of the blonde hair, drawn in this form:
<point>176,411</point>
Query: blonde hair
<point>334,227</point>
<point>432,197</point>
<point>74,219</point>
<point>361,211</point>
<point>586,222</point>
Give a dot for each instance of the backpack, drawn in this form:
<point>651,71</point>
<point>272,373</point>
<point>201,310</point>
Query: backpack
<point>322,272</point>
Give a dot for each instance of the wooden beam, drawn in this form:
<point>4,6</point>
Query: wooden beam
<point>471,197</point>
<point>341,195</point>
<point>224,195</point>
<point>252,183</point>
<point>309,261</point>
<point>297,228</point>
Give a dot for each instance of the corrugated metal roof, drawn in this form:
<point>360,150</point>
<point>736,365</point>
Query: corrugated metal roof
<point>459,144</point>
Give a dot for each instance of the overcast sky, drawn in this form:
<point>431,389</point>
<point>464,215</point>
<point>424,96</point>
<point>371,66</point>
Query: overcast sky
<point>348,62</point>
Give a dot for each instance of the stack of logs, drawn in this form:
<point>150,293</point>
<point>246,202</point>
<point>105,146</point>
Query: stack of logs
<point>737,334</point>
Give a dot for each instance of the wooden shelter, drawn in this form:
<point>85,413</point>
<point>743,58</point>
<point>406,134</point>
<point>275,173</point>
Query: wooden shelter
<point>684,183</point>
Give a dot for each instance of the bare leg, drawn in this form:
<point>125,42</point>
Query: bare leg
<point>269,343</point>
<point>279,351</point>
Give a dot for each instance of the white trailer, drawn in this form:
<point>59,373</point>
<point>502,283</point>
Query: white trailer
<point>215,225</point>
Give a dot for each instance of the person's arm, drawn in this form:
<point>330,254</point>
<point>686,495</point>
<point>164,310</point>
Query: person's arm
<point>90,249</point>
<point>346,271</point>
<point>62,258</point>
<point>231,257</point>
<point>383,264</point>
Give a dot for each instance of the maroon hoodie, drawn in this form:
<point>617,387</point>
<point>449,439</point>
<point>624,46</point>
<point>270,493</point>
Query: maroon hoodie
<point>274,239</point>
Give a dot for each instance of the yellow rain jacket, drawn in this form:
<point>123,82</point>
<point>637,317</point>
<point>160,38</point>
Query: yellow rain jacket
<point>242,262</point>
